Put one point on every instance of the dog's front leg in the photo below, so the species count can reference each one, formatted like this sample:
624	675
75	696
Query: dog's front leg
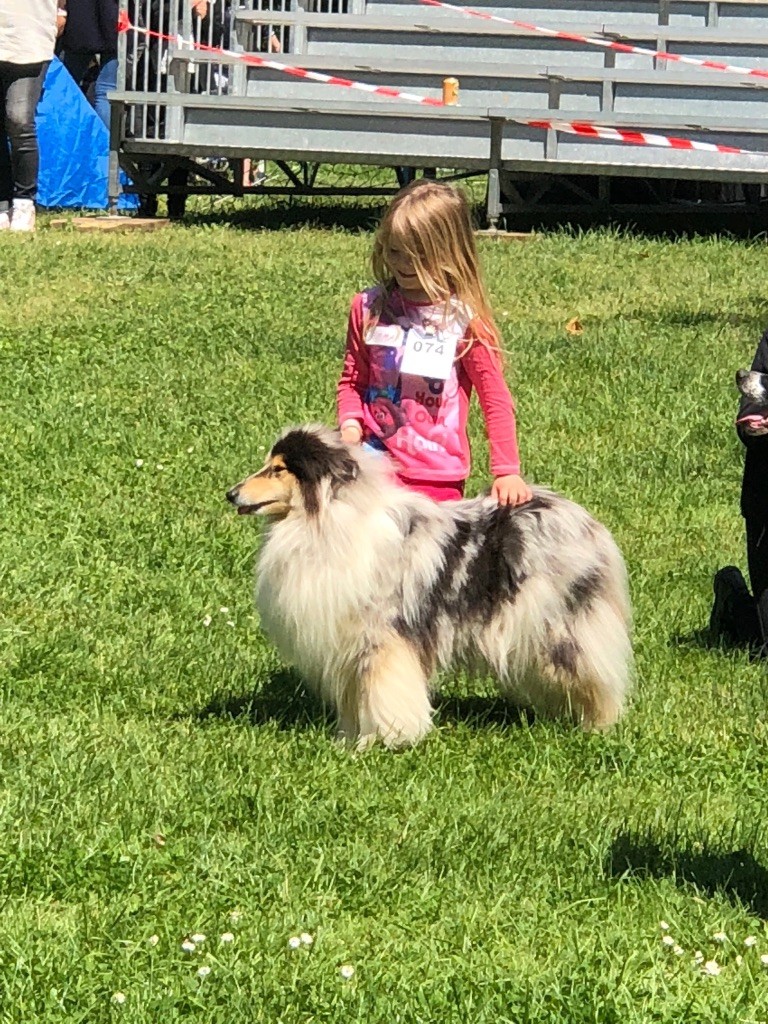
392	696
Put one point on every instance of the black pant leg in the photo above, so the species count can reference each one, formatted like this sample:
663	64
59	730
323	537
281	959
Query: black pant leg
757	559
22	88
6	175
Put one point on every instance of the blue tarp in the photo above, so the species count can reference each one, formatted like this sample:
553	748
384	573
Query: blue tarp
74	147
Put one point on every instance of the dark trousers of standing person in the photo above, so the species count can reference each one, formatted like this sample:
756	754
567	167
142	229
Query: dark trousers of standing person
757	561
20	88
78	63
741	617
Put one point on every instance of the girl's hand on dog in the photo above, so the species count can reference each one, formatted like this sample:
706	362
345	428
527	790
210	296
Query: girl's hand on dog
351	433
511	490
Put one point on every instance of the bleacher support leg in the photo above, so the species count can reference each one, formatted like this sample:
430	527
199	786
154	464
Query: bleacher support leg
494	185
113	189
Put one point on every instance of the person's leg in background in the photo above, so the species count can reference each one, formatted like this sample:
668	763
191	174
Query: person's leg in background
24	84
105	84
757	560
6	177
77	63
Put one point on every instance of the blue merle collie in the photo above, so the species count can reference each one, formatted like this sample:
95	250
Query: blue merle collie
369	589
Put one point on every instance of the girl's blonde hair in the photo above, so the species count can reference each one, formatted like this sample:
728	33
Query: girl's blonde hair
431	224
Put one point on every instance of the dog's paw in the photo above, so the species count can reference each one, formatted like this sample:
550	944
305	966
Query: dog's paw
364	743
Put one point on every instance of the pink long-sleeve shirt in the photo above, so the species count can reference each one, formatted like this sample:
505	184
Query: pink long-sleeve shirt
420	421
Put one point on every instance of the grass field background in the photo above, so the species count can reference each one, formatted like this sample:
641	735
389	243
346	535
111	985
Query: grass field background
159	774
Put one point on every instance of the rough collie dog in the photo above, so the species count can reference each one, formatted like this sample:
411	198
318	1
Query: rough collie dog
368	589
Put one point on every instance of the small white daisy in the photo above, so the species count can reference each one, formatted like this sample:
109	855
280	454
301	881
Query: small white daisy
764	959
188	946
230	622
668	940
347	971
664	926
190	450
698	957
750	941
160	466
294	942
138	464
739	960
306	939
719	937
711	967
678	950
207	621
204	971
118	997
198	937
227	937
153	940
223	610
234	916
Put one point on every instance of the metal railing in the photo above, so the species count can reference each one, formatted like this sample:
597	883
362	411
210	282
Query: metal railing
169	109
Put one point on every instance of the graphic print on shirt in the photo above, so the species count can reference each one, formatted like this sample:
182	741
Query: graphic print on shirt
412	413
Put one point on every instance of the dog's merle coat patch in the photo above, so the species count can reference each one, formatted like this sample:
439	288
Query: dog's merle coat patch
477	574
564	655
583	590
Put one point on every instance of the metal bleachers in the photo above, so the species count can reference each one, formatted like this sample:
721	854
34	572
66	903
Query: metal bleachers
195	104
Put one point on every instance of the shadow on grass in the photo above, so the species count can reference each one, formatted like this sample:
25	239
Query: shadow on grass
654	221
703	640
480	712
285	216
737	874
284	700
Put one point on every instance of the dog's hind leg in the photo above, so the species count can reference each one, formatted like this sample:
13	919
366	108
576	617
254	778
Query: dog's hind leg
589	669
392	696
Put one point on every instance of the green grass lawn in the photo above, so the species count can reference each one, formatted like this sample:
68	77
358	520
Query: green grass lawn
159	774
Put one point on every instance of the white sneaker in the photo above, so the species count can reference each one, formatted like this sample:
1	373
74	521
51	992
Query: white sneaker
23	215
5	220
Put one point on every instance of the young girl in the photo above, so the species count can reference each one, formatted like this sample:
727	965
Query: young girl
418	342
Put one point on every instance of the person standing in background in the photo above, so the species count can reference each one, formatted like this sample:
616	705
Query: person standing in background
90	37
28	31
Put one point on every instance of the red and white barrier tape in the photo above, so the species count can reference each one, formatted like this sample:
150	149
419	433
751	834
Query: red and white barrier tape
607	44
125	25
628	137
635	138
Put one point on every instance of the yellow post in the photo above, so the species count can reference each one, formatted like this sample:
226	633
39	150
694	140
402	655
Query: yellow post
451	91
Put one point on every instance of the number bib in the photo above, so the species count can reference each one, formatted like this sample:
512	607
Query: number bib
428	353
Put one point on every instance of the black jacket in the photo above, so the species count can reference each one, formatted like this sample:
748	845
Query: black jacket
754	486
91	27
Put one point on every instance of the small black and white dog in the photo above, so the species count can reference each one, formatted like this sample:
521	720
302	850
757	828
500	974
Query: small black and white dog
368	588
754	413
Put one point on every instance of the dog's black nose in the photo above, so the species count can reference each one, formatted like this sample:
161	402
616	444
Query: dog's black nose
232	494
